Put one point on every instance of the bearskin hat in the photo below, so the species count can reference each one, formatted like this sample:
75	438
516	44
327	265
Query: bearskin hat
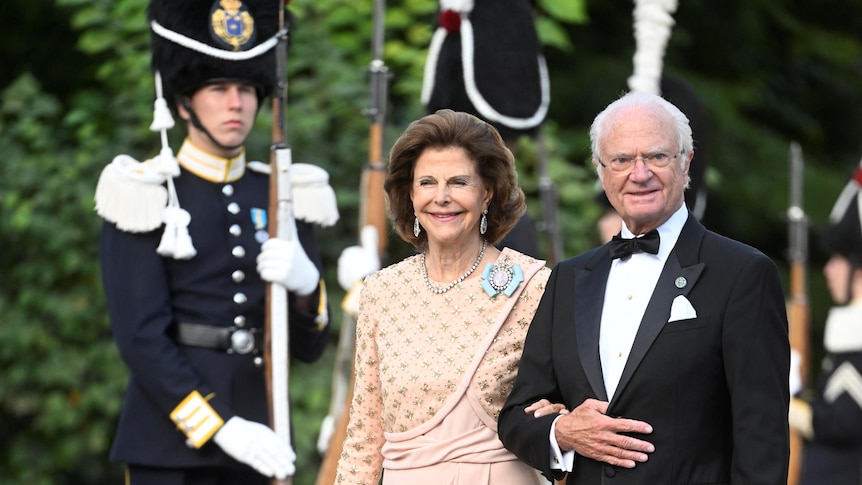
843	234
196	42
485	59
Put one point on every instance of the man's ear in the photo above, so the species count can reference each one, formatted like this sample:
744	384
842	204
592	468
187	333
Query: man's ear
181	109
688	159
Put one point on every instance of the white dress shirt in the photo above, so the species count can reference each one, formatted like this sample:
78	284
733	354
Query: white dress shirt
631	282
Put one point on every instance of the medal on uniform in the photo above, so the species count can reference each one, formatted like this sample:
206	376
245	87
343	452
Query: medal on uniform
258	217
501	277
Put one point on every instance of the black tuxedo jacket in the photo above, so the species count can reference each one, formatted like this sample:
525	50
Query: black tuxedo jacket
714	387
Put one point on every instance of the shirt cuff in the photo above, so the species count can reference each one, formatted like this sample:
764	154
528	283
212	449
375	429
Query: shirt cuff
560	460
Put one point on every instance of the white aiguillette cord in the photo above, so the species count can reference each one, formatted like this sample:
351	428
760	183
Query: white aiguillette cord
176	241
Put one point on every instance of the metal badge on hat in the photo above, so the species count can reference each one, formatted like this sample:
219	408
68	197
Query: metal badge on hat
231	24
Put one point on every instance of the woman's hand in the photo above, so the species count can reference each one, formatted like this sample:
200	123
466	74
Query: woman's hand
544	407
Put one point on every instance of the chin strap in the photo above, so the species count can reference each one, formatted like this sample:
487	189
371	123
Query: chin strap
196	122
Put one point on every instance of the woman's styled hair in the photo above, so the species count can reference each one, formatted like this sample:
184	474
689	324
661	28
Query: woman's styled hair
483	144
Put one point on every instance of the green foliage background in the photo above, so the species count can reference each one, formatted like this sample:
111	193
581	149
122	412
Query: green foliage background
76	90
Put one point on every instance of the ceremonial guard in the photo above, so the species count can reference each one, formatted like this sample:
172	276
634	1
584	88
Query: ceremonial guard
186	256
485	59
830	418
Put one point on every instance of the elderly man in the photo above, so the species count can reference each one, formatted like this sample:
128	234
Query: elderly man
668	344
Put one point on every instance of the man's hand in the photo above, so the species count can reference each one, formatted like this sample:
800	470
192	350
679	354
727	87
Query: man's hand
258	446
591	433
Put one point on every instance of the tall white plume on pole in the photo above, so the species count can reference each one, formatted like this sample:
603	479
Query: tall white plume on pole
653	21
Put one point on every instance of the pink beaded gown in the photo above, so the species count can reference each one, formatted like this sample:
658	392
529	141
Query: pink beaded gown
432	372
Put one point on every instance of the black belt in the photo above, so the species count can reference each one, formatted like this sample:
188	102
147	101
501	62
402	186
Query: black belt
229	339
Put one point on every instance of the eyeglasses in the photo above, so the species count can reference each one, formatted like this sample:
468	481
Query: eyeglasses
627	164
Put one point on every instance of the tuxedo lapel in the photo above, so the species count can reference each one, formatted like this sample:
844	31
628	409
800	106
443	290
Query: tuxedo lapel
675	280
589	299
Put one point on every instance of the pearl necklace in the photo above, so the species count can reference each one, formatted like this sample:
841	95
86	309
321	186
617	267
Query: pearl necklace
437	290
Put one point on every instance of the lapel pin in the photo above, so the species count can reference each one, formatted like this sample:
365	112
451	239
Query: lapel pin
680	282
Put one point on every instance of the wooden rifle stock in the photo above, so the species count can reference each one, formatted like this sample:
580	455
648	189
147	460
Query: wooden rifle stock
798	310
280	210
372	211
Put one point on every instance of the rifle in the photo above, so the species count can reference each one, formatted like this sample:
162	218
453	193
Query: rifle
548	199
798	312
280	203
372	211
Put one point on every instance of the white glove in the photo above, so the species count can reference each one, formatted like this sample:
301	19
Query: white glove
795	372
284	262
357	262
258	446
327	429
801	418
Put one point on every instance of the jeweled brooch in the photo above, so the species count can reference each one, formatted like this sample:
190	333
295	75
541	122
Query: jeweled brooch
501	277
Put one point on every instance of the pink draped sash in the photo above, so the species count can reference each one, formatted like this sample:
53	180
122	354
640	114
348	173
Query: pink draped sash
458	446
461	449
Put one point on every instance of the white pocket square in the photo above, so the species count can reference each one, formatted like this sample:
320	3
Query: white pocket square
681	309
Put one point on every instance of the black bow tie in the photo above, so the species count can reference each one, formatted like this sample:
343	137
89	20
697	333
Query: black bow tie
623	248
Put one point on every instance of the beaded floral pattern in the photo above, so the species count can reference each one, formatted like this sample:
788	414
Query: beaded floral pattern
413	349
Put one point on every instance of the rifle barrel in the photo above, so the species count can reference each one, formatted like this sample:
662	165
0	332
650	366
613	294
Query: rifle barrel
797	309
372	211
276	348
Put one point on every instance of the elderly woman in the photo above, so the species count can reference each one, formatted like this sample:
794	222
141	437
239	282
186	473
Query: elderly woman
440	334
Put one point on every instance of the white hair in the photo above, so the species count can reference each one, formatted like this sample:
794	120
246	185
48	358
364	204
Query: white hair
650	101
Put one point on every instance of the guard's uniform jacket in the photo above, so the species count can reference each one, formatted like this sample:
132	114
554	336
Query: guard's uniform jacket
149	295
834	456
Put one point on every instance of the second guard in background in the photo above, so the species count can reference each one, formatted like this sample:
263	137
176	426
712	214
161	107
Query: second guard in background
831	418
186	256
358	261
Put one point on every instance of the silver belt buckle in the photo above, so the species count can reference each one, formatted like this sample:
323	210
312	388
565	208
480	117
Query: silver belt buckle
241	341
